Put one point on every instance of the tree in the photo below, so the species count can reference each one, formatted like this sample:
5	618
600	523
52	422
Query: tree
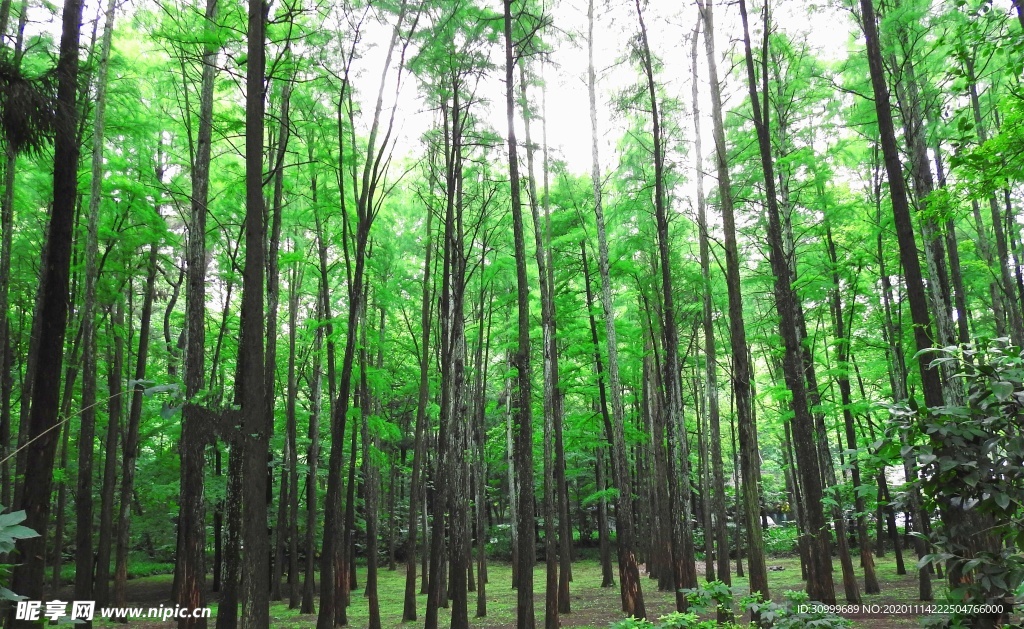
41	444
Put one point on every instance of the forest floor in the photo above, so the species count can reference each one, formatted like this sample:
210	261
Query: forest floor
592	606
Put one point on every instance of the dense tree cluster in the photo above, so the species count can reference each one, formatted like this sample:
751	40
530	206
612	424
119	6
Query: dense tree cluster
254	327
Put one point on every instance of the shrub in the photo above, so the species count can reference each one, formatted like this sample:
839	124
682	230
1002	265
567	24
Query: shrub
797	611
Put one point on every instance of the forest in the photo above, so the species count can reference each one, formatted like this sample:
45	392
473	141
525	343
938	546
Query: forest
507	314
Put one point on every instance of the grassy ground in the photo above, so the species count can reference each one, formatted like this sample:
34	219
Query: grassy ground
592	606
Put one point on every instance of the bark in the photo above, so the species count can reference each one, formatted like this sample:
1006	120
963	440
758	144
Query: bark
819	583
721	533
741	368
953	251
130	448
194	434
371	481
521	401
607	578
256	424
294	595
961	526
273	300
43	417
115	370
550	370
565	541
313	460
415	482
480	436
227	606
6	242
629	573
843	339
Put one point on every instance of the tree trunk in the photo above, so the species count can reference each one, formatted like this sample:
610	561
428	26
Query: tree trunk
313	460
415	481
843	338
607	578
294	595
717	502
115	371
273	300
130	450
819	583
741	367
550	369
680	546
521	401
194	434
256	425
43	417
961	526
629	573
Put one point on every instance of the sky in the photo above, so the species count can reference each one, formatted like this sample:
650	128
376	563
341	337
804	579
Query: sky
827	29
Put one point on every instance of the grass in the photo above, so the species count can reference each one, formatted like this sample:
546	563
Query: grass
592	606
139	565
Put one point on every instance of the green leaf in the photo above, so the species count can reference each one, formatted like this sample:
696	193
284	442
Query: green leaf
1002	390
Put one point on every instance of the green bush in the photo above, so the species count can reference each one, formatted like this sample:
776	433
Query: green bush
782	539
797	611
11	531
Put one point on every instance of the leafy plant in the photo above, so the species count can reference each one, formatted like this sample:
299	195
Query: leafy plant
632	623
972	462
11	531
796	611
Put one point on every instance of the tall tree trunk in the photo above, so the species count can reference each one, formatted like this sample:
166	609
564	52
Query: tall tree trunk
607	578
415	482
961	526
680	546
273	300
130	449
115	371
819	583
480	437
721	533
843	339
313	460
6	242
194	434
371	481
256	425
43	417
294	595
551	393
629	573
741	366
522	398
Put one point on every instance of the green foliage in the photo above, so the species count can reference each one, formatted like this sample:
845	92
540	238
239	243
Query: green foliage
782	539
674	620
713	596
972	463
796	611
11	531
